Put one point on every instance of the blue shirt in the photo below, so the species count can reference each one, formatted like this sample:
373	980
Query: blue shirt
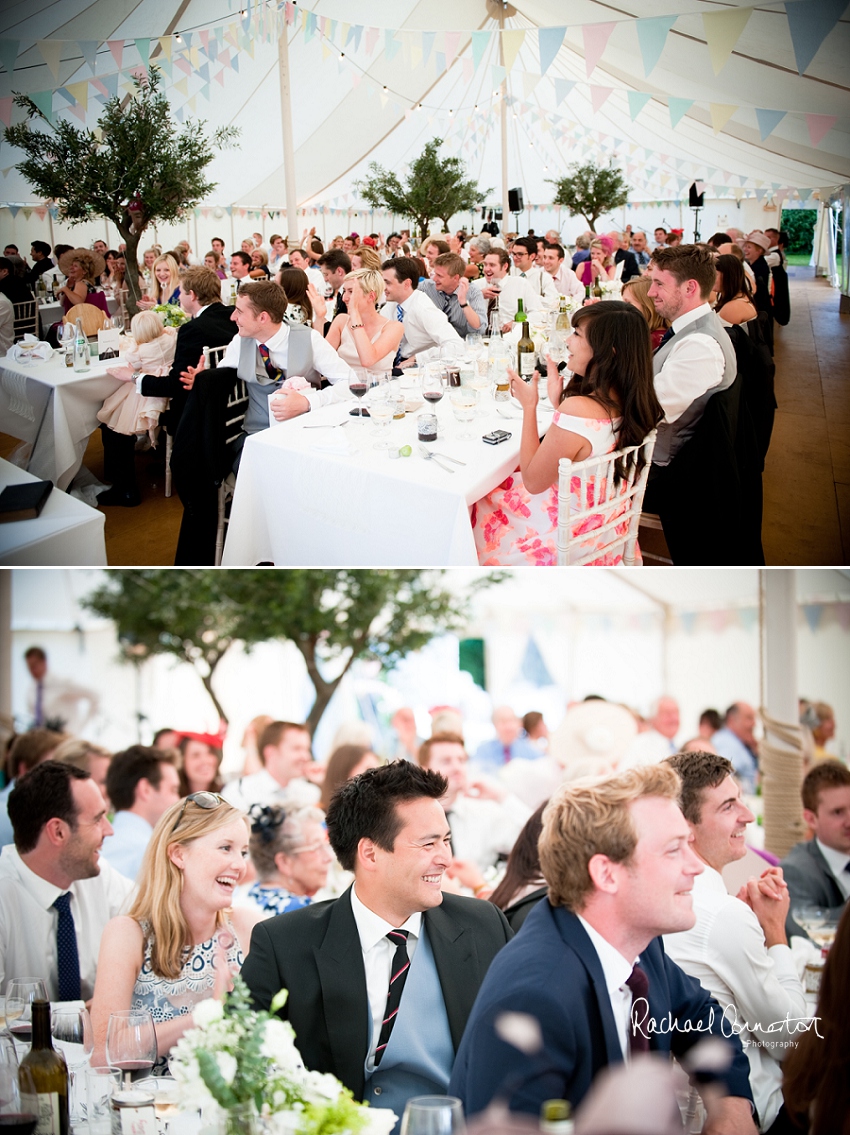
492	754
743	759
125	848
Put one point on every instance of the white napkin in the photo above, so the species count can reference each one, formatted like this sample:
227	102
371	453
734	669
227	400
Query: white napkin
39	350
333	440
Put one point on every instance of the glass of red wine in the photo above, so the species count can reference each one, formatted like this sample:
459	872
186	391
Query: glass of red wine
358	384
17	1098
433	382
131	1042
20	995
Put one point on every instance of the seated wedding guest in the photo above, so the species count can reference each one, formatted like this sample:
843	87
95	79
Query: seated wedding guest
304	304
41	261
334	266
449	289
582	252
217	245
431	249
27	750
365	257
640	251
457	245
126	413
660	236
535	729
267	349
284	747
387	826
715	242
259	265
427	330
636	292
522	886
166	738
816	870
737	742
674	238
247	246
7	324
299	259
146	268
181	941
734	302
600	265
485	819
108	278
81	268
588	963
200	763
477	248
15	289
165	283
565	280
609	405
524	254
621	243
87	756
279	257
657	739
250	738
737	949
142	784
240	266
291	857
56	892
345	762
816	1071
213	260
502	291
508	744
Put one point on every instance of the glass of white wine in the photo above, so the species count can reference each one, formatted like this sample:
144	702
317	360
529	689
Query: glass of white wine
21	993
433	1115
464	401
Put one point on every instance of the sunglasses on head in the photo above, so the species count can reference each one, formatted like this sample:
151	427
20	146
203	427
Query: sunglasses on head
206	800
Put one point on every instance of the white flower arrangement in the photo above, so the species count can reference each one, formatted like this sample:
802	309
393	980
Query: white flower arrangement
611	289
236	1056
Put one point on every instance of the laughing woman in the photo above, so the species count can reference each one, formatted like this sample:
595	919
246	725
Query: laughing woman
181	942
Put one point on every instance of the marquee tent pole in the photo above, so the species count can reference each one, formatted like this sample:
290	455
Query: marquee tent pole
286	132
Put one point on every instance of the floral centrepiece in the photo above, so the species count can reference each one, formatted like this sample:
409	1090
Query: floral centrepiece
236	1055
171	314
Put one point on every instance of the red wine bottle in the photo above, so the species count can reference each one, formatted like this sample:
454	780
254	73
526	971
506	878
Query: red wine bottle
49	1075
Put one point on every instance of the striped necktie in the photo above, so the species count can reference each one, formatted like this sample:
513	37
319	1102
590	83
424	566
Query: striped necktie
399	314
66	950
271	369
398	972
665	338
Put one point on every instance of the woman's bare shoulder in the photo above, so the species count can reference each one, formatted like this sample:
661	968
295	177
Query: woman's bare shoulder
582	406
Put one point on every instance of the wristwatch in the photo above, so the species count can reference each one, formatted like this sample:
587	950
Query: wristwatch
137	374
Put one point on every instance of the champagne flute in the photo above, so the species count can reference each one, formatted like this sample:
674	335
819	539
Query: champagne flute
73	1036
17	1099
20	995
131	1042
433	1115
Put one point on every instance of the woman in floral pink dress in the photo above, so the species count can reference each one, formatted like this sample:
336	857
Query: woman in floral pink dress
609	404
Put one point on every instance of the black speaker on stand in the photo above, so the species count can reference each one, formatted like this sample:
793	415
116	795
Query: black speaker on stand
696	201
515	204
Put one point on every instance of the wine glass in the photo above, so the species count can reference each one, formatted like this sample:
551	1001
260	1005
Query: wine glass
20	995
433	1115
464	400
17	1096
131	1042
433	382
358	384
71	1028
382	409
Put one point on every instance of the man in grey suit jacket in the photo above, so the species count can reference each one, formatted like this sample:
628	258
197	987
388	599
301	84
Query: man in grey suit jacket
341	960
817	871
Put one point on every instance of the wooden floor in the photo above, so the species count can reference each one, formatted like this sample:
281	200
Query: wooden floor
807	477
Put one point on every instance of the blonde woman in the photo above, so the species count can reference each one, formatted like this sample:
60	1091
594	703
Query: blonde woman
636	292
165	283
364	339
365	257
601	264
259	265
181	941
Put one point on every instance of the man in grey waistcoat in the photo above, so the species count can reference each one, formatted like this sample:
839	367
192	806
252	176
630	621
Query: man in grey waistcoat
366	971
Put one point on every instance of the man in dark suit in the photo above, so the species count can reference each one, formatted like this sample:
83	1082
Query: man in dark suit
210	326
588	963
817	870
346	962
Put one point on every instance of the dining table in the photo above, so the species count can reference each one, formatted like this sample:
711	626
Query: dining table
54	409
67	533
52	311
313	491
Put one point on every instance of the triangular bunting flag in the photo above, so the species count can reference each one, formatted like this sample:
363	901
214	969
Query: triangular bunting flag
8	54
371	39
720	113
468	69
819	126
652	35
111	84
497	75
79	92
182	87
166	45
512	41
440	62
391	45
637	101
549	42
809	25
599	96
678	109
596	38
480	42
44	101
452	44
768	120
6	110
529	82
116	46
722	32
143	46
51	53
427	45
562	89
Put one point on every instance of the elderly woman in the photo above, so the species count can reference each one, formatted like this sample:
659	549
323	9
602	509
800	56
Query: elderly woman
362	337
81	267
291	856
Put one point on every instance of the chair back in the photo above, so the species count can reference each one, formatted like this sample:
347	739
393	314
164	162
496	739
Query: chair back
618	505
26	319
213	356
92	317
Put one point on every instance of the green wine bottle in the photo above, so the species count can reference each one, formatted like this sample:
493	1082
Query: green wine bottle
49	1074
525	346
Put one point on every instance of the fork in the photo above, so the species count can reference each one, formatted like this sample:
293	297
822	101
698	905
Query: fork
426	453
328	425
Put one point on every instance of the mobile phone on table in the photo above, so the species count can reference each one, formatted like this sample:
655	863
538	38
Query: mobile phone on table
496	437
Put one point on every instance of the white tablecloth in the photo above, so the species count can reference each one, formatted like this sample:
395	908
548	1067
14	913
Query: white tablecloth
55	410
68	533
298	506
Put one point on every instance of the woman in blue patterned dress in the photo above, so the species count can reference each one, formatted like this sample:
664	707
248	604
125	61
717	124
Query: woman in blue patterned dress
181	942
291	855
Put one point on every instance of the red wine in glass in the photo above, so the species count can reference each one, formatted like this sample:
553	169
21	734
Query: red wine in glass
132	1065
433	395
358	389
18	1123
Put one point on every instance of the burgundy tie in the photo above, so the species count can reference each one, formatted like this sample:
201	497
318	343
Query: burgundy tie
638	982
398	976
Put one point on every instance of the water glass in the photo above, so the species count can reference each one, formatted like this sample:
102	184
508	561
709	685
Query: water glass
433	1115
464	402
71	1028
101	1083
382	409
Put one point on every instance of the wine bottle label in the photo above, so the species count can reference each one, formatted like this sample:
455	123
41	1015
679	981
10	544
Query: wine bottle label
526	364
47	1110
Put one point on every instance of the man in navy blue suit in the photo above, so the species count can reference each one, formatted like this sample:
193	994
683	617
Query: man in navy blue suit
588	963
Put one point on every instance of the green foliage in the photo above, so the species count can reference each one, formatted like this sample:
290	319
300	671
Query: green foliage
800	226
136	155
333	1119
220	1090
591	190
333	615
435	187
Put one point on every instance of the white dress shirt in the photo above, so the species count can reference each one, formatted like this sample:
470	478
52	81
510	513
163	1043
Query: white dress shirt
7	324
28	921
60	698
567	282
378	953
541	283
837	862
482	830
125	849
756	987
426	329
617	972
325	360
693	365
262	788
649	748
513	288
